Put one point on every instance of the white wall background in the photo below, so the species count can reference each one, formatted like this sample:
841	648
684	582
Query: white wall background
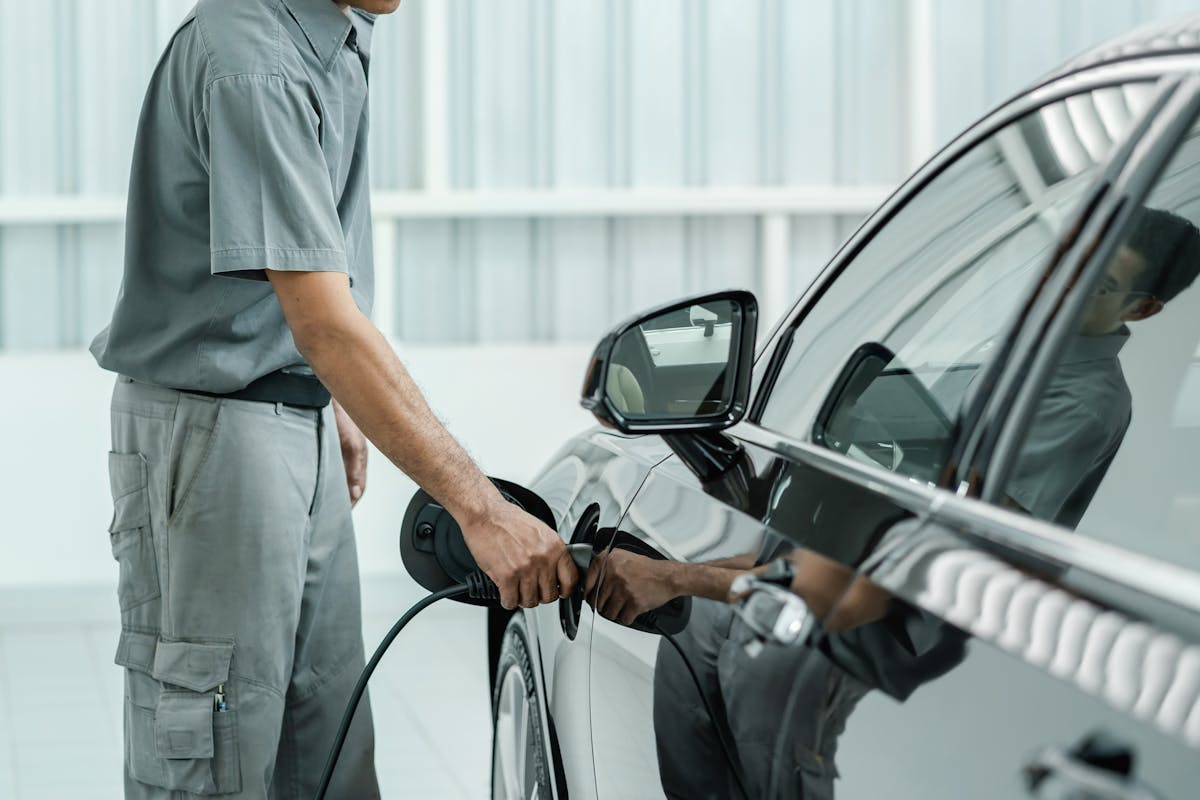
542	168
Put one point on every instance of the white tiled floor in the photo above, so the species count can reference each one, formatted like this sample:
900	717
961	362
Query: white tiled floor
60	695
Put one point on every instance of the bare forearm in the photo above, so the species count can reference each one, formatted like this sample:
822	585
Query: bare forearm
836	595
360	369
742	562
521	553
700	580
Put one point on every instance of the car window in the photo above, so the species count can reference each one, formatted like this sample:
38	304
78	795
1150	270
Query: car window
1110	447
880	367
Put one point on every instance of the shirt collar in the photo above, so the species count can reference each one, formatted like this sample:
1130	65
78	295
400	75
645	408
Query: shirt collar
324	24
1096	348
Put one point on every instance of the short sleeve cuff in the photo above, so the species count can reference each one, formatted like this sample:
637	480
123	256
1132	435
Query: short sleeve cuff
250	262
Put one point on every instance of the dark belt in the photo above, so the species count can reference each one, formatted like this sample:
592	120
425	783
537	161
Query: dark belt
289	388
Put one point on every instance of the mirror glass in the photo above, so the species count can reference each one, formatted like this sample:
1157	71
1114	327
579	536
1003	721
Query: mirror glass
880	412
676	365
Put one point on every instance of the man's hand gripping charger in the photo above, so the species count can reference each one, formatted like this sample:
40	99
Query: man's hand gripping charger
436	556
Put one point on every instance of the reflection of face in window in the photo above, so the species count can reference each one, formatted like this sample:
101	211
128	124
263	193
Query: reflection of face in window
1115	301
1159	260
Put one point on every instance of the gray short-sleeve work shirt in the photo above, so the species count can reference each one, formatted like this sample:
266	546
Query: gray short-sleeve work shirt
251	154
1075	432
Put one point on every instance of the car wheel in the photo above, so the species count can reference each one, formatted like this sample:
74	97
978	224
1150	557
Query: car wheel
520	767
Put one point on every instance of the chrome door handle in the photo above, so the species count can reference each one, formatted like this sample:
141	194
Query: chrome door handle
1099	768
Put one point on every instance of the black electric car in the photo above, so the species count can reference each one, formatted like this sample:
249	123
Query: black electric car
938	535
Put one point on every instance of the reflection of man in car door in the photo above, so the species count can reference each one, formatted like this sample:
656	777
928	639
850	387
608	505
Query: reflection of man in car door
1085	409
870	642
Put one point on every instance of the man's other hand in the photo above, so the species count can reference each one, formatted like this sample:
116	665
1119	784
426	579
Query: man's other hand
527	560
354	453
633	584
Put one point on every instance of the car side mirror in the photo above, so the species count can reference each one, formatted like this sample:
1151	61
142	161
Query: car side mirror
680	367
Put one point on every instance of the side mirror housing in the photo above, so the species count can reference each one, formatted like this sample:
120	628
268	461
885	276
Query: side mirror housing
684	366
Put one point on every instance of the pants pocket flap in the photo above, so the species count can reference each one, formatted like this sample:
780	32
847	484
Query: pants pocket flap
128	480
198	666
136	651
183	726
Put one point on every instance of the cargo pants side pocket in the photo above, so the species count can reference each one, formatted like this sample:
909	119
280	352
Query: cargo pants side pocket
180	734
133	542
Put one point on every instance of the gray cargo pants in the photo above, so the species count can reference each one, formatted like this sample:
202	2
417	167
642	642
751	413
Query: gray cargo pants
241	631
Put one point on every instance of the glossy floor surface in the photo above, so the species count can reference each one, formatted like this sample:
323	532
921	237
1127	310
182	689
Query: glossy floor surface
60	695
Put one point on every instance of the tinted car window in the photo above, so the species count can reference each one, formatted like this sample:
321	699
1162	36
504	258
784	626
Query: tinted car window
1111	445
880	367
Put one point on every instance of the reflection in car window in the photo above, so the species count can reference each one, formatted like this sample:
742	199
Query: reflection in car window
1111	445
936	288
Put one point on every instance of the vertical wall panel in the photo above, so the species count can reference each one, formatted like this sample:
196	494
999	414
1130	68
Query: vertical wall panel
504	103
814	241
1019	50
540	93
101	248
1083	27
33	133
808	120
504	280
1163	9
961	39
436	279
31	290
109	83
396	97
871	87
581	307
722	254
460	55
656	265
581	86
656	90
108	87
732	121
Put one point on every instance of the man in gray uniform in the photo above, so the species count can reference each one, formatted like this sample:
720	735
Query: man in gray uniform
1085	409
248	278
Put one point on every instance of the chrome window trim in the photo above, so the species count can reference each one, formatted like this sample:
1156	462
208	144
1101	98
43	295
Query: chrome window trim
975	519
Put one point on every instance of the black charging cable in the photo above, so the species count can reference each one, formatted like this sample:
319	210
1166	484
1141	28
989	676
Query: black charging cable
360	687
476	585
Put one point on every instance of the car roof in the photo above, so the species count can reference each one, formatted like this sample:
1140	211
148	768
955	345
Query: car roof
1178	35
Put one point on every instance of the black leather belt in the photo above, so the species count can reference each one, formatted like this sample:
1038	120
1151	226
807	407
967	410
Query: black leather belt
289	388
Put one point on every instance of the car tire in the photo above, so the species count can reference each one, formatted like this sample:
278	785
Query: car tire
520	758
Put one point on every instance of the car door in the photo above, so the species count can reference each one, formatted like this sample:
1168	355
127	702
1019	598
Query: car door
868	396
